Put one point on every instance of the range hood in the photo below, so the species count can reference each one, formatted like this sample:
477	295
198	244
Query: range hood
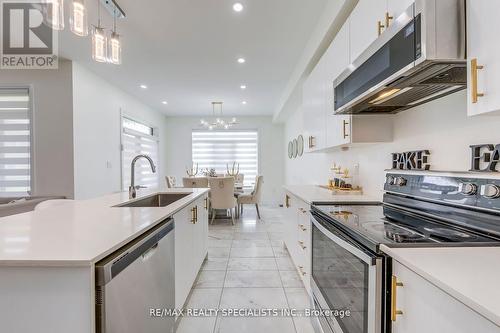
421	57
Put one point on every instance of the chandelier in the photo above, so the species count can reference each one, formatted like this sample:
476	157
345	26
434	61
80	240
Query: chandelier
217	122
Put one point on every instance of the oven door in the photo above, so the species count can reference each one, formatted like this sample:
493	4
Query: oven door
347	277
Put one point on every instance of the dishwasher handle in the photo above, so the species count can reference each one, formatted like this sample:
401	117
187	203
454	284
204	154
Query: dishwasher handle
144	246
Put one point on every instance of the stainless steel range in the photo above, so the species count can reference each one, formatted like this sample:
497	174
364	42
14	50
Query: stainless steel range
351	274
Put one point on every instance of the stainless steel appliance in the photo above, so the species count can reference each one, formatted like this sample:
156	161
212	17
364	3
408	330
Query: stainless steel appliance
134	280
349	272
420	57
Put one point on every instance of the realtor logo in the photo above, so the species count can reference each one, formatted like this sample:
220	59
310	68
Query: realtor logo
28	40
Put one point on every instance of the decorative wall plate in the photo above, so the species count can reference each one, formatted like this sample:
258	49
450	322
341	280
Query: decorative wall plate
290	149
294	148
300	145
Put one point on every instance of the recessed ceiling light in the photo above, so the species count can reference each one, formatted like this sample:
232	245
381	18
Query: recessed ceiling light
243	86
241	60
164	102
244	102
237	7
143	86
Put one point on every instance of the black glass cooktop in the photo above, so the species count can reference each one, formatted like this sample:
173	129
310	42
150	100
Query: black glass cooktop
382	224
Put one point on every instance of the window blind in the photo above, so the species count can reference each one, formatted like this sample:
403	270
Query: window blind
138	138
15	143
217	149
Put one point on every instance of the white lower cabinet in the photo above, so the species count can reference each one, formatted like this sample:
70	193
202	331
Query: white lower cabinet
298	236
426	308
191	246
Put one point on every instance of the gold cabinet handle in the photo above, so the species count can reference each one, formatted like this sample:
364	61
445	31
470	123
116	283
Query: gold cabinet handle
388	19
380	27
206	203
394	285
301	244
344	126
303	227
196	214
287	201
312	144
474	67
193	215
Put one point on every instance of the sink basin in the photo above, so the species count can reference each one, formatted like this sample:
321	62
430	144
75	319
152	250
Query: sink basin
156	200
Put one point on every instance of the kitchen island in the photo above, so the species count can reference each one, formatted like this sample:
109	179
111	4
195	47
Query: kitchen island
47	257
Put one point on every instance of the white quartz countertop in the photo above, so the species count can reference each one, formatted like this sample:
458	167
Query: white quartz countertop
469	274
81	232
315	193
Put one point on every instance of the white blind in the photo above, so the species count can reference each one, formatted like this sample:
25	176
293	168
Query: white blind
216	149
138	138
15	143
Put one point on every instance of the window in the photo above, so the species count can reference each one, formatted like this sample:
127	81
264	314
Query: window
138	138
15	142
217	149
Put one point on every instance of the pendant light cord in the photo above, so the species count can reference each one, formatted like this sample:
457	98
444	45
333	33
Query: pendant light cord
98	14
114	20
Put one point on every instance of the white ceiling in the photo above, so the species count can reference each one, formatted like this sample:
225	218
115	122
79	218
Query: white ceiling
185	51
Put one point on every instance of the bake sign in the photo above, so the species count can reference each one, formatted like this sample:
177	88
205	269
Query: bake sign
485	157
411	160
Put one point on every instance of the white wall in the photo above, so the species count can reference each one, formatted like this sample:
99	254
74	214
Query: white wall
441	126
53	126
270	150
97	106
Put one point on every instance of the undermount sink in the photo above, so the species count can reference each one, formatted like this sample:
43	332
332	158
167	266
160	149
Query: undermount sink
156	200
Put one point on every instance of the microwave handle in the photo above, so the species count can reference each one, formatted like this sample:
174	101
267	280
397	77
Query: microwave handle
369	258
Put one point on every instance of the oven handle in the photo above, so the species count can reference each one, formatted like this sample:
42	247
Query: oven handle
369	259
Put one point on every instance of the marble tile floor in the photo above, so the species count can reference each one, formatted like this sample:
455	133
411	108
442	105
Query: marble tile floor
248	267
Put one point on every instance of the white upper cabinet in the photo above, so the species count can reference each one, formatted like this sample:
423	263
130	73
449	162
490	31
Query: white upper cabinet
336	59
369	19
483	49
314	109
364	21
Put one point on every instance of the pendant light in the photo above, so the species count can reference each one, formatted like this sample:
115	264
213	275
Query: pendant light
115	48
78	18
218	122
55	16
99	40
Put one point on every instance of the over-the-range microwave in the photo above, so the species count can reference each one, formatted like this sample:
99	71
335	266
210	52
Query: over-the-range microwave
420	57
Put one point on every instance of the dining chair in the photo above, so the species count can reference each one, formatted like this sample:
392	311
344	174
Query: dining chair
222	195
252	198
240	178
195	182
170	181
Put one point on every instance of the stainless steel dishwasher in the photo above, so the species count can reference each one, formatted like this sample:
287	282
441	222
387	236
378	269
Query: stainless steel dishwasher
135	279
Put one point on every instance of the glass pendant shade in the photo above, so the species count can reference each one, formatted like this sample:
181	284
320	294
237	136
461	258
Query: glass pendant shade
99	45
78	18
115	49
55	13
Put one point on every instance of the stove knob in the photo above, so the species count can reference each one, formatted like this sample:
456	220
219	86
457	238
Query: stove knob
467	188
490	191
390	180
400	181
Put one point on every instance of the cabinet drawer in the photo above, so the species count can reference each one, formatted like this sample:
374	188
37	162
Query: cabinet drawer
423	307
